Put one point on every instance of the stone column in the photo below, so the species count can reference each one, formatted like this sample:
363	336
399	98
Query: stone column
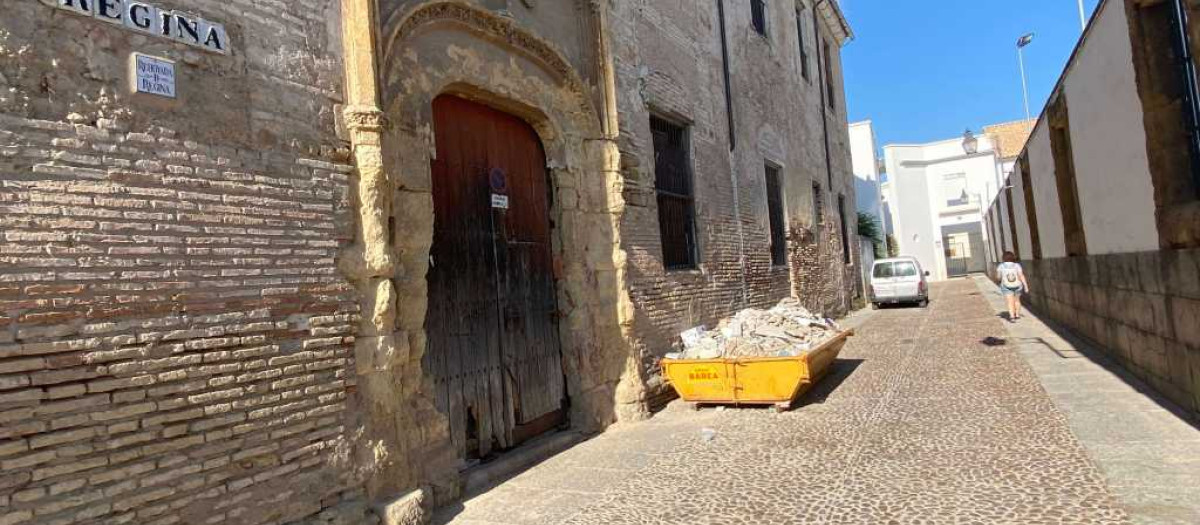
381	352
369	262
630	392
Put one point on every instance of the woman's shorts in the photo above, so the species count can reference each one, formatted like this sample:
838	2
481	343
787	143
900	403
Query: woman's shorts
1011	291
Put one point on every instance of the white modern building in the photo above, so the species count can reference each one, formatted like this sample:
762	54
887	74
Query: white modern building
938	194
864	154
868	193
887	197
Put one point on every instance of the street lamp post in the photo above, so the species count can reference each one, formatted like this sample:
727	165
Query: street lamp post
1021	43
1082	17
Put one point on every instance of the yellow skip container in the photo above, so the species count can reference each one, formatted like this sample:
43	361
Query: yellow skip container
777	381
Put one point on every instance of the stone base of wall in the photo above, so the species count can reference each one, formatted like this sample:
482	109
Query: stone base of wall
1142	308
350	509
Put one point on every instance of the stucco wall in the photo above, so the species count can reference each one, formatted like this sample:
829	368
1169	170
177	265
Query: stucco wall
1006	237
995	239
916	227
1108	140
889	218
866	169
1045	194
1024	238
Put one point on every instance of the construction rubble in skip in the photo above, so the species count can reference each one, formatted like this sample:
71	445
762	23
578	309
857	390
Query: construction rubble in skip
785	330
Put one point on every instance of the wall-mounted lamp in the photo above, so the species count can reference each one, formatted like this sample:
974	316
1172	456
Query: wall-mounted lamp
970	143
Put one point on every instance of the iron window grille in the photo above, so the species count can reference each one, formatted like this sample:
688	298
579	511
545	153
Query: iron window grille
776	218
845	230
803	48
676	196
817	211
831	98
758	16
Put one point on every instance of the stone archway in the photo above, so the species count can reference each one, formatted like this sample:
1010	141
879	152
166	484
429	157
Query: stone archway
447	47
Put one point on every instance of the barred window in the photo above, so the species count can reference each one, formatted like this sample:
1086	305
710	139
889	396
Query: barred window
845	231
832	98
803	48
758	16
817	212
776	217
676	198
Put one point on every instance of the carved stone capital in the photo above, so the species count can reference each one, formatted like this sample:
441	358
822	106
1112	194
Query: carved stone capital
364	118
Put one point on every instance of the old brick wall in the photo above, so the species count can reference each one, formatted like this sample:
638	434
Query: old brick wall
820	274
668	60
678	47
821	278
1142	308
839	288
175	337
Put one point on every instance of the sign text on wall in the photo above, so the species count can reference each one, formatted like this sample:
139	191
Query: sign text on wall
153	75
146	18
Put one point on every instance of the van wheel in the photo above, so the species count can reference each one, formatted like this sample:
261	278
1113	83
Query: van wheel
874	306
924	303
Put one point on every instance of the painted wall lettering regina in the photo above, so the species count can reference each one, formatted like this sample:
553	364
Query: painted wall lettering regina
146	18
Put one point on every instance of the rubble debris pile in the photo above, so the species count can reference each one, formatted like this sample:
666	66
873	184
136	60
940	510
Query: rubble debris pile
786	330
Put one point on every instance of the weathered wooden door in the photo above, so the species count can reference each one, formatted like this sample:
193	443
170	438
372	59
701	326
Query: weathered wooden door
494	350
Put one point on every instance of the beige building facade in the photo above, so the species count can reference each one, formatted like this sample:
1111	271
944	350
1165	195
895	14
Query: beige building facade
271	263
1103	207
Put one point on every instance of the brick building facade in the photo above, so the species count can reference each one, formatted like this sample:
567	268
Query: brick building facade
214	306
751	90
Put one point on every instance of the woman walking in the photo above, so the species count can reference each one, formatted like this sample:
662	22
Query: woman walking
1012	284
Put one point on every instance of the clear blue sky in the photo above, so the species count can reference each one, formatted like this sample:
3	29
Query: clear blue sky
925	70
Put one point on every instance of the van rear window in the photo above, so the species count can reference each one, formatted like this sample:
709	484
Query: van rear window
905	269
883	270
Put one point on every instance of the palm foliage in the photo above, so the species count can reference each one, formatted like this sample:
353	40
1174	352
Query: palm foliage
869	227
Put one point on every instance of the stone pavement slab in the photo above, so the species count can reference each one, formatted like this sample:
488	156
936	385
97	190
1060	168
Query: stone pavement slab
1147	448
920	422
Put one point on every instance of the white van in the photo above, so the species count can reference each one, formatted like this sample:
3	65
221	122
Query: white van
899	280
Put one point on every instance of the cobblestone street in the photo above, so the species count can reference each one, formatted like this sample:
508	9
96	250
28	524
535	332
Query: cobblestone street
921	423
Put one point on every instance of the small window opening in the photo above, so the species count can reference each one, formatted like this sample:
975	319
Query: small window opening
676	197
758	16
776	217
803	48
817	211
846	256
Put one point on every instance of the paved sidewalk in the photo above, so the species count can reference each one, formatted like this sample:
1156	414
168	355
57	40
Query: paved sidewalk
1148	451
920	423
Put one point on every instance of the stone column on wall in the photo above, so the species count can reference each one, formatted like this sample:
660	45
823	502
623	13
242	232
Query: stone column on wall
631	390
390	470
